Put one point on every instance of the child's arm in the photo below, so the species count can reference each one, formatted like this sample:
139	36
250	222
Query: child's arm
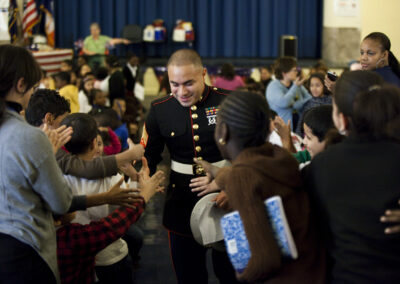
92	238
284	132
114	196
100	167
115	145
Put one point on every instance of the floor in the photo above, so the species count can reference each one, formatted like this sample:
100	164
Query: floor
155	266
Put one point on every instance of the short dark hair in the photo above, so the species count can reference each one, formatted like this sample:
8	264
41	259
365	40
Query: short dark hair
63	76
92	95
228	71
112	61
16	63
45	101
85	131
102	73
247	116
283	65
130	54
319	120
185	57
106	118
268	68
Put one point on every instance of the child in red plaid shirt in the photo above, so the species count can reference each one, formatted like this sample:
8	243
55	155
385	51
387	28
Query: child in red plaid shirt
77	245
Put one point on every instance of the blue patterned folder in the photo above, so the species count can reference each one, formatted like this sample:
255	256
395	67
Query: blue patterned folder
236	242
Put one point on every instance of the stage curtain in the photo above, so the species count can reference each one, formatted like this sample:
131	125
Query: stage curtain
223	28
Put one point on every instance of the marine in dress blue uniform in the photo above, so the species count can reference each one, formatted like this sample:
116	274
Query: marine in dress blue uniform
186	126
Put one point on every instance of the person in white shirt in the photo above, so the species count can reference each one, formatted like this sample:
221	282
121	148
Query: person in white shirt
84	144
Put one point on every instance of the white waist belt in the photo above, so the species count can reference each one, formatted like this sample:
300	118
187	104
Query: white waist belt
187	169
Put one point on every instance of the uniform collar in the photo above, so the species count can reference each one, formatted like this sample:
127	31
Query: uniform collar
205	94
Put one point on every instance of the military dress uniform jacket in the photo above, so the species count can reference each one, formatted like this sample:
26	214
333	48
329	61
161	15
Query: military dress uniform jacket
188	132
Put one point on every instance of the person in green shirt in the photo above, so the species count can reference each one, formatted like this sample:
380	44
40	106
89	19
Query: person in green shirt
96	44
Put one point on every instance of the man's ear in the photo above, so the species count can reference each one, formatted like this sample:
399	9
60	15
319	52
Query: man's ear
48	119
21	86
204	73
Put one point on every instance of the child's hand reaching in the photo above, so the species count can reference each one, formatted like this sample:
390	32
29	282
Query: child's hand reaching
284	133
144	173
58	137
130	171
152	185
136	150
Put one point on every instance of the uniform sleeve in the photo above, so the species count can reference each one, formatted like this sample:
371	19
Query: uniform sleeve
244	195
100	167
155	141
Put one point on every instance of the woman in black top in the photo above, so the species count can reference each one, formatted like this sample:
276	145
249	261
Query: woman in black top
352	183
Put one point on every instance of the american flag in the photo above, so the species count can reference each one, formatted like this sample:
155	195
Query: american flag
30	17
12	21
48	8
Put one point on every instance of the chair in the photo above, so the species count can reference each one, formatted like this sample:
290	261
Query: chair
133	32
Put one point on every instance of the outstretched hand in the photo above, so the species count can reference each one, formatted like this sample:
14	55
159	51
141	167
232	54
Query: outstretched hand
58	137
144	173
121	196
152	185
284	131
137	150
282	128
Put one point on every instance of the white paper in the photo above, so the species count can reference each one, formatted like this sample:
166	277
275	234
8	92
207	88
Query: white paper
138	90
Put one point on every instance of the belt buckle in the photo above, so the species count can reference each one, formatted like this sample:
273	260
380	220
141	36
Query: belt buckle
198	170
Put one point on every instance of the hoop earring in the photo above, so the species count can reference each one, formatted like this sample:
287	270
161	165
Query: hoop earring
221	141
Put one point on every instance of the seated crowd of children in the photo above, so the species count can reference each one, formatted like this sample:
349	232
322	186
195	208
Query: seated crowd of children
68	181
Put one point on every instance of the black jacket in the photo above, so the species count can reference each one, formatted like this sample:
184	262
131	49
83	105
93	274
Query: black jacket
188	132
351	184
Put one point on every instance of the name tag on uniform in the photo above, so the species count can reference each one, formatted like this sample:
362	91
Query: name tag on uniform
211	113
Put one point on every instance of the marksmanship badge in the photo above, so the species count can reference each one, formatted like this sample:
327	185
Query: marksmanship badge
211	113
